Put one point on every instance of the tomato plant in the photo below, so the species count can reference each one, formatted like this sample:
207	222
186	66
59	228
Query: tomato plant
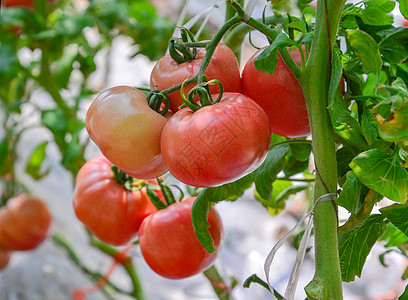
169	244
106	207
279	94
127	131
222	66
4	258
218	143
24	223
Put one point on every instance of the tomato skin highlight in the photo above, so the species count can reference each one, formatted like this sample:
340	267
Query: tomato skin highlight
280	95
127	131
169	244
109	210
24	223
216	144
223	66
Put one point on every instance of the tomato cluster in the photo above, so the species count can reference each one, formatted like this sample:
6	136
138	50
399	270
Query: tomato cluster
116	212
221	135
24	224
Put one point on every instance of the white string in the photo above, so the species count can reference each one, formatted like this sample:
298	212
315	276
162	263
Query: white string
294	276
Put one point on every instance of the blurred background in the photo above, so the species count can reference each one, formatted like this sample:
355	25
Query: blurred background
55	57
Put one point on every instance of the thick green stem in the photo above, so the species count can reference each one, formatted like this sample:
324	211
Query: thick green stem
315	80
217	282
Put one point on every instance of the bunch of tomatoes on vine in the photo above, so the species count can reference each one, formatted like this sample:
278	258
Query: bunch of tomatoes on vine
213	127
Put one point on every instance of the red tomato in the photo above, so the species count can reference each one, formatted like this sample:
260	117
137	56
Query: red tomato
280	95
127	131
216	144
405	23
169	244
24	223
4	258
223	66
109	210
19	3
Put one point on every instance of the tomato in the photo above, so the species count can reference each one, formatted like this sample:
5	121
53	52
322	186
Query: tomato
223	66
280	95
216	144
19	3
169	244
127	131
4	258
107	208
405	23
24	223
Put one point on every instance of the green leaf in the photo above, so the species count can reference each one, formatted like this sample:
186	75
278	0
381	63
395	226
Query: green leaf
368	127
394	44
349	197
355	245
375	16
55	120
383	173
203	204
343	156
393	128
267	60
277	188
9	65
345	125
301	151
367	50
64	67
403	6
266	174
4	149
398	215
393	236
33	167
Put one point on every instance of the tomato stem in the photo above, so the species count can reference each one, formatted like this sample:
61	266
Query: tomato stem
315	81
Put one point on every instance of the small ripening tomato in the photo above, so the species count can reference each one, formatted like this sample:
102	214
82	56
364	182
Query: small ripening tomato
218	143
280	95
405	23
24	223
107	208
4	258
169	244
127	131
223	66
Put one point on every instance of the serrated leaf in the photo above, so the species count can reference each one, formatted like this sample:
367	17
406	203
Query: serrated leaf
375	16
383	173
355	245
394	44
266	174
349	197
207	198
398	215
33	167
267	60
367	50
